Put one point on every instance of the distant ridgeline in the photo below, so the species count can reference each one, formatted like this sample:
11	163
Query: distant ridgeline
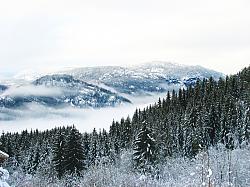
182	124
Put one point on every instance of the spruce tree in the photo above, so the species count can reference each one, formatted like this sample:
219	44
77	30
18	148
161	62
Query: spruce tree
126	133
86	148
213	126
93	153
74	153
59	148
144	155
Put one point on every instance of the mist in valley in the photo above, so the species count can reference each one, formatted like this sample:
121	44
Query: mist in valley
34	116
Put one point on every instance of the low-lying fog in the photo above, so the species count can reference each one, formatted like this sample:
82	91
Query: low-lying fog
39	117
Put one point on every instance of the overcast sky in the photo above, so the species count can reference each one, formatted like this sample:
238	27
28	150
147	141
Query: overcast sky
43	34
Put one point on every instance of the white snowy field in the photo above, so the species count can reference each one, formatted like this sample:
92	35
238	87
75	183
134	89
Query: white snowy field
39	117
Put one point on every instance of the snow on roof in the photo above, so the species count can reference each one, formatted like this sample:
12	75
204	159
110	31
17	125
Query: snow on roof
3	155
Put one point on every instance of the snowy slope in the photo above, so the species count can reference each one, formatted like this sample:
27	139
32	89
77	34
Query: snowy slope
97	87
3	88
60	90
150	77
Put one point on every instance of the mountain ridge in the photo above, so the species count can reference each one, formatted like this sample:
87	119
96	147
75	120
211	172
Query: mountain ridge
103	86
75	92
144	77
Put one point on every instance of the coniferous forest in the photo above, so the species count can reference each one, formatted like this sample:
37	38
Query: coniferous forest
192	137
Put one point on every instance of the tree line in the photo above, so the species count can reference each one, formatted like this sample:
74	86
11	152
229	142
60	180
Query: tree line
182	124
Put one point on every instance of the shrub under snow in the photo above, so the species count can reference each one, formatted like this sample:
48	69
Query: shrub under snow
218	166
4	175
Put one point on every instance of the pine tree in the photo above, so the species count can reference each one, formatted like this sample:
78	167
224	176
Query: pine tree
37	158
191	133
126	133
246	127
213	125
74	153
59	148
86	148
144	150
93	153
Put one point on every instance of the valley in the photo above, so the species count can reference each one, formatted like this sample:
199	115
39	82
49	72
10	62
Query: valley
77	96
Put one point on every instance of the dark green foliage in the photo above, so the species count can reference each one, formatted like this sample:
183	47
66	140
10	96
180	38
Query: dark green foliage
86	147
59	148
186	121
93	154
144	155
74	153
126	133
69	155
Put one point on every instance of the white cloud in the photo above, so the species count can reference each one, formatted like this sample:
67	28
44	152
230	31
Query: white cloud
43	34
41	117
30	90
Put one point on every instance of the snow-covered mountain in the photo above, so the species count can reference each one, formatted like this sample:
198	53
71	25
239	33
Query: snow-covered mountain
101	86
3	87
28	75
60	90
144	78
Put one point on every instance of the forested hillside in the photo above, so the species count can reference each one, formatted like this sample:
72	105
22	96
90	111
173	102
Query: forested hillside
194	136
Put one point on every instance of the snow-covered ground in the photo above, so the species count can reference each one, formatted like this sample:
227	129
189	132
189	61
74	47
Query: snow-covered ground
217	167
4	175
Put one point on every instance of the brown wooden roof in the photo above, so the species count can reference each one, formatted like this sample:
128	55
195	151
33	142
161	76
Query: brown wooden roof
3	156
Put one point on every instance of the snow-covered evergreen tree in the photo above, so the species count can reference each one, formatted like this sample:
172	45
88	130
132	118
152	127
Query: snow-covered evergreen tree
59	149
74	153
4	175
144	155
93	153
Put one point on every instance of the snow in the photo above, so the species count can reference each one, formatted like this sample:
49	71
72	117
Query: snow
4	175
115	75
42	118
27	75
209	173
142	178
192	174
3	184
